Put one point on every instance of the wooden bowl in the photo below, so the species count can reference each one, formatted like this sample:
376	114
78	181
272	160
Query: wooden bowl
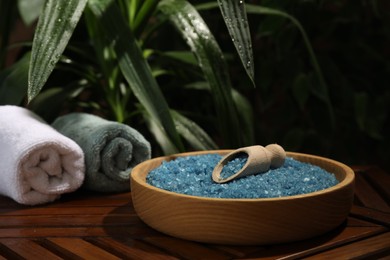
244	221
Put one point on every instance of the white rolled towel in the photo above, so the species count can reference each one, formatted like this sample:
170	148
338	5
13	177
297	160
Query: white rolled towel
37	163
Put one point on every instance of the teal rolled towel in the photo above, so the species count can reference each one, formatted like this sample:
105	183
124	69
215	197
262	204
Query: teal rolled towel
111	149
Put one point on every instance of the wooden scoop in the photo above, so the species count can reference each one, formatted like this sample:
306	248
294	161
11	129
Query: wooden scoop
260	159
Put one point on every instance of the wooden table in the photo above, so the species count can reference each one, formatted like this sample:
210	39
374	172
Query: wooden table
95	226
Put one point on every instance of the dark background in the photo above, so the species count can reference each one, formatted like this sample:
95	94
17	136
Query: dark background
351	42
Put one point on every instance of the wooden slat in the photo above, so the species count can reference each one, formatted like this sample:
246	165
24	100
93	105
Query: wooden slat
356	222
41	232
78	198
28	249
323	243
238	251
365	249
380	180
82	248
6	253
66	210
369	196
131	249
371	215
185	249
67	220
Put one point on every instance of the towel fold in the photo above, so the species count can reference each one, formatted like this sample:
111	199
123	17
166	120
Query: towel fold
111	149
37	164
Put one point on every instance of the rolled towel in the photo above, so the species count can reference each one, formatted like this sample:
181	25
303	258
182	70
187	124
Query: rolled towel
111	149
37	164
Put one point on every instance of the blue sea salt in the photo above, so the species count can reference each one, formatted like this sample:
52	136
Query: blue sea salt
233	166
191	175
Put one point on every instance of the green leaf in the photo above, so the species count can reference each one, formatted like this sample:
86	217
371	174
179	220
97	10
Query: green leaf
134	67
210	58
322	88
206	6
55	27
144	13
54	99
192	132
107	60
187	128
159	134
246	116
234	14
183	56
13	82
198	85
242	104
29	10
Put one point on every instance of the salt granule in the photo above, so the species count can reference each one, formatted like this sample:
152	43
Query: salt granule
191	175
234	165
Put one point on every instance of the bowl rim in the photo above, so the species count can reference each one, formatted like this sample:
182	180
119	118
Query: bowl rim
348	180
